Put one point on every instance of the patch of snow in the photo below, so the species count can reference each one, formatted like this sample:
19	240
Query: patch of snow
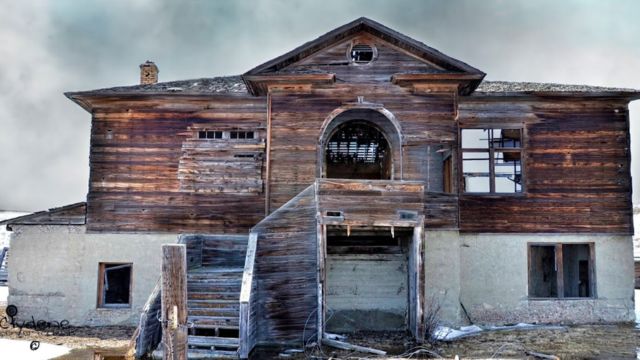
444	333
4	293
21	349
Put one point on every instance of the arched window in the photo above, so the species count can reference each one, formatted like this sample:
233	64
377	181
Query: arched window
358	150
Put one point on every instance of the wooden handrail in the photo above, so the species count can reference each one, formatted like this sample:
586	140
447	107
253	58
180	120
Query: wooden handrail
248	283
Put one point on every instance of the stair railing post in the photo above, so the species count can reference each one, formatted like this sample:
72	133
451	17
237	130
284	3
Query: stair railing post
174	301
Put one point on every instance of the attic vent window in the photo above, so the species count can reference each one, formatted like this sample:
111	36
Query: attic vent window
361	54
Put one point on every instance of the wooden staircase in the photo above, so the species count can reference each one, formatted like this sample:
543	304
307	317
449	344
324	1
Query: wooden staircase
213	293
216	264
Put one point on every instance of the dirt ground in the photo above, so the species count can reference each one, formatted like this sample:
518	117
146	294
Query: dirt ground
620	341
105	337
571	342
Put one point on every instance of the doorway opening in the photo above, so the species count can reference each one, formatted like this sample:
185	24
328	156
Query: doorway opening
367	280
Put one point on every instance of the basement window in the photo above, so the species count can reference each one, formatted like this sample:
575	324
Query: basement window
561	271
492	160
114	285
361	53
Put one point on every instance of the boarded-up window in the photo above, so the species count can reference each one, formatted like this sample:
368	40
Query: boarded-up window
114	285
492	160
232	163
561	271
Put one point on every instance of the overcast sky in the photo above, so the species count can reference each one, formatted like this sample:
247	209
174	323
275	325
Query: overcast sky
47	48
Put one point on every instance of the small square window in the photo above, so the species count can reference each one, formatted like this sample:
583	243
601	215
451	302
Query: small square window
233	135
202	134
217	134
114	285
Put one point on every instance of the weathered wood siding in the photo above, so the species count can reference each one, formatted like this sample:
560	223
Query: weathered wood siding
297	119
286	270
336	59
150	172
370	202
576	167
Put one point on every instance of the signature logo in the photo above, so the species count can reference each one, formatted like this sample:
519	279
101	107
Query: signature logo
54	327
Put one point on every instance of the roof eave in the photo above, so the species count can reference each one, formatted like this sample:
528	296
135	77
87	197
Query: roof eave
629	96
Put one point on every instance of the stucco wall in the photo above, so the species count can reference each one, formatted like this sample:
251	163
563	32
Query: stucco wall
488	275
494	280
54	272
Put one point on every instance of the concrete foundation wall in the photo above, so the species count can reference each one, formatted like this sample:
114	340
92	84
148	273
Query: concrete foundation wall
367	292
494	280
54	272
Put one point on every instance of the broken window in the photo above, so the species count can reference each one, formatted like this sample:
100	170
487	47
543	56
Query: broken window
361	53
358	150
492	160
561	271
114	285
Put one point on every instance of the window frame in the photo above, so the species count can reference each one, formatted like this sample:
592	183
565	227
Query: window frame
491	154
560	272
225	135
101	296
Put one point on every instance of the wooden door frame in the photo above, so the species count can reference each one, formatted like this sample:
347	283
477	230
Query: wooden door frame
416	274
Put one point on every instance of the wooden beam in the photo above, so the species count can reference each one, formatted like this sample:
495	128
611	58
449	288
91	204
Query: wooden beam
559	271
418	248
174	301
246	340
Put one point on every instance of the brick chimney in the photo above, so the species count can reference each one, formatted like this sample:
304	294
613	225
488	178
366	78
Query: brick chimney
148	73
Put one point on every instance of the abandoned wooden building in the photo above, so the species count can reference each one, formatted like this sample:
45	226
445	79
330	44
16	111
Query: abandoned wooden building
346	185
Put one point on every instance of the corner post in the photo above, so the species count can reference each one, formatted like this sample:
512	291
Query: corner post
174	301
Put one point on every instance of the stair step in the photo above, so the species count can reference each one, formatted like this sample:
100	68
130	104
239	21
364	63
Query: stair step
216	270
212	322
201	354
212	341
213	304
208	295
213	288
213	312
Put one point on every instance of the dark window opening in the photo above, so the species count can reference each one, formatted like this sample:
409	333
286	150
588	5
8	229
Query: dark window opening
241	135
207	134
492	160
358	150
561	271
114	285
361	53
364	244
334	213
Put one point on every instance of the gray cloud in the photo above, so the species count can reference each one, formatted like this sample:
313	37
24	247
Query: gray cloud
47	48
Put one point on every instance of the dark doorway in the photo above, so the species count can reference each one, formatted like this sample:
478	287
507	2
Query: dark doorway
358	150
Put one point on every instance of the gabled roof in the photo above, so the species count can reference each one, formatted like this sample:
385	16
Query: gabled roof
374	28
74	214
466	75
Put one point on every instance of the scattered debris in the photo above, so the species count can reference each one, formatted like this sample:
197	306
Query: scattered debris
346	346
444	333
541	355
